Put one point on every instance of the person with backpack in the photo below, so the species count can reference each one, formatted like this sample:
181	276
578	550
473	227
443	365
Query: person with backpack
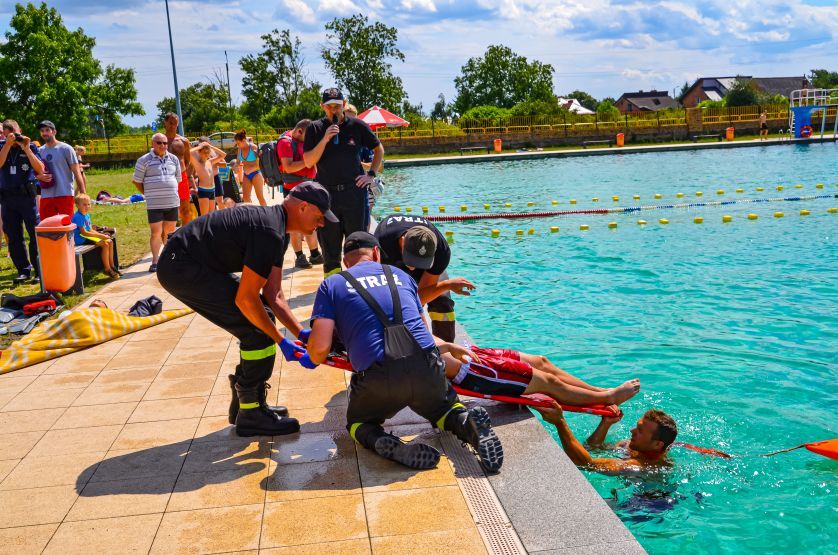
293	170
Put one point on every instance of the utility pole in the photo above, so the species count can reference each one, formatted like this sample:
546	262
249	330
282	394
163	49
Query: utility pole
229	95
174	72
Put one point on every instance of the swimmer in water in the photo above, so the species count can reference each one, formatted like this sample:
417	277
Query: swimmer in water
647	448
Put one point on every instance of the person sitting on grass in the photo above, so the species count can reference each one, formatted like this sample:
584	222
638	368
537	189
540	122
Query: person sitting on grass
645	451
86	235
513	373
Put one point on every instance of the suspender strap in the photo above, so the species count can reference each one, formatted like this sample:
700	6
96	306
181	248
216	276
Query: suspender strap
376	308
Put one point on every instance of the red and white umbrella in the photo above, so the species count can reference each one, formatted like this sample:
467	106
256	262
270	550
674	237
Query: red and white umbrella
377	118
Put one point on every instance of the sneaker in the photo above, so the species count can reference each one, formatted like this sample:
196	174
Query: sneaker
316	259
152	268
473	427
21	278
419	456
302	263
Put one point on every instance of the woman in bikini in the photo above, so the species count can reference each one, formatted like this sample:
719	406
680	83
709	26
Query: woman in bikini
248	157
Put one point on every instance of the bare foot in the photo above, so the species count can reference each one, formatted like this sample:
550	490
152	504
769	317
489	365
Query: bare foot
623	393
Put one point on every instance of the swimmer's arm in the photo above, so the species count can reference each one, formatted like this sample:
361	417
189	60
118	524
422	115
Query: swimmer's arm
320	341
250	303
597	438
276	300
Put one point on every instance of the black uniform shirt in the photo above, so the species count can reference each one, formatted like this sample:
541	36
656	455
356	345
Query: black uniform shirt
393	227
340	163
228	240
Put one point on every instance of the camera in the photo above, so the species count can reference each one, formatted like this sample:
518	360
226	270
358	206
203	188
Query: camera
18	138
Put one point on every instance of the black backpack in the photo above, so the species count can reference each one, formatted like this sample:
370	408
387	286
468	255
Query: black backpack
269	164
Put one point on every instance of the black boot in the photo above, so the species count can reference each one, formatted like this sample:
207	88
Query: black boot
234	402
253	419
474	428
413	455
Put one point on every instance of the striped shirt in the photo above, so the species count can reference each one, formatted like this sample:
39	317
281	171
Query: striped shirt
160	177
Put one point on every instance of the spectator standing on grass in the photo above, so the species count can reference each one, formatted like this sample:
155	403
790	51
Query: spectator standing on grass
157	175
289	150
80	152
64	171
19	165
333	144
186	186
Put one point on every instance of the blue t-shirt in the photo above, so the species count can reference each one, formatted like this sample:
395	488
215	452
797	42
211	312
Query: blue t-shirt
356	323
17	171
82	221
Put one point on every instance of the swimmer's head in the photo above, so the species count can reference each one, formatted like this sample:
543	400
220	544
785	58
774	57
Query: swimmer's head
654	433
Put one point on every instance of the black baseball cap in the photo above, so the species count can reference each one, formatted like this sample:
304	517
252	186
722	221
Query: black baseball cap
316	194
332	96
47	123
419	247
359	240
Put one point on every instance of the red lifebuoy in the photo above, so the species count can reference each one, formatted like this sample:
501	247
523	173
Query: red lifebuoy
806	131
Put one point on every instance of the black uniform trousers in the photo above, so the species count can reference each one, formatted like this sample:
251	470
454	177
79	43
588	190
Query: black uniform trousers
19	211
213	295
350	205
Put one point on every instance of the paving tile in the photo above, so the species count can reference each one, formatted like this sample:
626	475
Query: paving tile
348	547
127	375
380	474
36	400
26	539
25	507
314	447
173	329
231	454
214	428
88	360
76	380
127	534
6	467
221	387
172	389
29	420
168	409
416	511
142	463
290	482
154	434
123	498
243	486
320	520
112	393
333	396
184	371
218	405
200	352
17	446
209	530
321	419
12	383
34	370
297	377
5	398
466	540
95	415
77	440
54	469
142	353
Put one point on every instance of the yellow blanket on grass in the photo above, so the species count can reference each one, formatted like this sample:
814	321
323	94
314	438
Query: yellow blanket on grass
77	330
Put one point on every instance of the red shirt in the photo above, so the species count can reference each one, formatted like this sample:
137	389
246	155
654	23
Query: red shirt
183	187
284	150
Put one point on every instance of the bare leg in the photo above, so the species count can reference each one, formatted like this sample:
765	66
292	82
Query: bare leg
168	229
106	258
219	203
573	395
206	205
247	187
543	363
185	211
259	186
156	240
296	241
311	241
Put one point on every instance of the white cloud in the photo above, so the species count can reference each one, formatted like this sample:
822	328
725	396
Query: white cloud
300	10
426	5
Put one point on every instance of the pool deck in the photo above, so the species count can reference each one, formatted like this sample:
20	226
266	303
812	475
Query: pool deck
598	151
125	447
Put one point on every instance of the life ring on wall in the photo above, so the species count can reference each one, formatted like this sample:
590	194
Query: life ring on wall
806	131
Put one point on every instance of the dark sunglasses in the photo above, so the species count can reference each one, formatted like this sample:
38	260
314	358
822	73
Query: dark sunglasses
161	142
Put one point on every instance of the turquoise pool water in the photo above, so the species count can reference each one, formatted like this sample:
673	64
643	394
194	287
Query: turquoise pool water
732	327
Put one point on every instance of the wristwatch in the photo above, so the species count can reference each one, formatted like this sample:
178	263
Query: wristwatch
371	173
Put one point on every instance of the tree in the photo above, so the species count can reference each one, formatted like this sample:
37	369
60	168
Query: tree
411	112
307	106
502	78
743	92
824	79
49	72
357	54
484	112
606	111
203	105
537	108
585	99
442	109
683	92
275	76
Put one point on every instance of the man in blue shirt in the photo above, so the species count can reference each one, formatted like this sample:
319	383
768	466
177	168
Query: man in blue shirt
19	164
376	313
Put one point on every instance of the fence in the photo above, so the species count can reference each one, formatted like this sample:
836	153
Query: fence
565	125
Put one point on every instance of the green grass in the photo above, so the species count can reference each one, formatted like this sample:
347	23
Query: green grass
132	237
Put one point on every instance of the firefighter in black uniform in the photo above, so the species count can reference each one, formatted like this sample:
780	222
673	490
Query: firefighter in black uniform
197	266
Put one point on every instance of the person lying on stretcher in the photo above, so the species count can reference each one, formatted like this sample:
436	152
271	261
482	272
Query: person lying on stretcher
513	373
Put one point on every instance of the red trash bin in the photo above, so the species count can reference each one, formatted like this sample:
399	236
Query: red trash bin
56	252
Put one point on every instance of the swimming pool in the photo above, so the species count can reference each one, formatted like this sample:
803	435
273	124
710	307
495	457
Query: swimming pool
730	326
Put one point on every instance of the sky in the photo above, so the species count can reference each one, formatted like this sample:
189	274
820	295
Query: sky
604	47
